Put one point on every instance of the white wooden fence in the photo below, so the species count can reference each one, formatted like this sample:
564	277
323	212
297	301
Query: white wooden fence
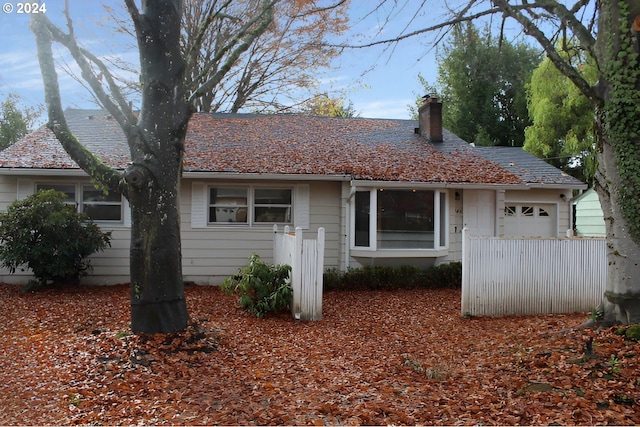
306	258
531	276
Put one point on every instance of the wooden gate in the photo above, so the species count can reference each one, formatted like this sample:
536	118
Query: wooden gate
306	258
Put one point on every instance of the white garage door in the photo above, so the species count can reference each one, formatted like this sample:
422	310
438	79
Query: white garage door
530	220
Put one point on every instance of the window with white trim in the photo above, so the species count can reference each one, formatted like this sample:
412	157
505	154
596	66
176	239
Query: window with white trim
272	205
98	205
400	219
228	205
250	205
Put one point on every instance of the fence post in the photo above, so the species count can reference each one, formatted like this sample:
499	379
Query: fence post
296	274
318	282
464	309
276	249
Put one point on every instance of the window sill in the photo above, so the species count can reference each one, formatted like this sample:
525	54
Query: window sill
111	224
399	253
255	226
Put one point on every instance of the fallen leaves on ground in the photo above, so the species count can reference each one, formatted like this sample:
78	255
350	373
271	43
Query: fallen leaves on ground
377	358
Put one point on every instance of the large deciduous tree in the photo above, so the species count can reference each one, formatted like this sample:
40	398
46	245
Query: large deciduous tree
285	60
155	136
275	73
609	32
612	38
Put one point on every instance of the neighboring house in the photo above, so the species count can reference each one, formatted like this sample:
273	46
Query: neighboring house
386	191
588	214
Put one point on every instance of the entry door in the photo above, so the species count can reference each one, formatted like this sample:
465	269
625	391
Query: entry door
479	212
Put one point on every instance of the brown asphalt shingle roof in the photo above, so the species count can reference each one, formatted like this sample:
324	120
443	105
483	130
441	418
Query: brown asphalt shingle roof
367	149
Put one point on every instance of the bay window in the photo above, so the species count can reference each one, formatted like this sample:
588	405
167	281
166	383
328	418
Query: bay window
399	219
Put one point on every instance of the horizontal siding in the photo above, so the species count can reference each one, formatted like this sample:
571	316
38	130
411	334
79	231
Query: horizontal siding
589	217
325	211
211	254
110	266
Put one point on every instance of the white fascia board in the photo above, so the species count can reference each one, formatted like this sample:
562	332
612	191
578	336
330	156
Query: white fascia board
42	172
437	185
559	186
269	176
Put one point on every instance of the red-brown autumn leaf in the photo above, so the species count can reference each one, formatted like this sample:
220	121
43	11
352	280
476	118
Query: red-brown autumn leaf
376	358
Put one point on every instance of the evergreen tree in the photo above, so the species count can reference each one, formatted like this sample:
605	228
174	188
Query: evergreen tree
481	80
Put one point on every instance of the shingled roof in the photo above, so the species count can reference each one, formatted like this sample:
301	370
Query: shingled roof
528	167
365	149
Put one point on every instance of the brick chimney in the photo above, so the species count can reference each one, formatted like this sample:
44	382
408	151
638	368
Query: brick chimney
430	119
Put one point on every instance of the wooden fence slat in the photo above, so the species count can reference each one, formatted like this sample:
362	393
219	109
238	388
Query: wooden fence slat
531	276
306	258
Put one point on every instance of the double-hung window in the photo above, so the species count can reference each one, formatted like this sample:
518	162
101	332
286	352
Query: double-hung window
399	219
98	205
228	205
272	205
250	205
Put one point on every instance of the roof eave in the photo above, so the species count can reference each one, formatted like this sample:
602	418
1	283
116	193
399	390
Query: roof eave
43	171
268	176
558	186
421	184
309	177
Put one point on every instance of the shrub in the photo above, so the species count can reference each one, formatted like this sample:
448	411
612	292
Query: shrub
402	277
50	237
262	288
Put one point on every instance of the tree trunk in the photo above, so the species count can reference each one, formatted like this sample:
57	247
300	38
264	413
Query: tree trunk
618	178
157	290
157	147
621	303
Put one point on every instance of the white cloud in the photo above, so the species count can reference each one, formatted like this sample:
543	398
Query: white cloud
387	109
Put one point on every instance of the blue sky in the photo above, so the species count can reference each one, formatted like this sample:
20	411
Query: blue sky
380	81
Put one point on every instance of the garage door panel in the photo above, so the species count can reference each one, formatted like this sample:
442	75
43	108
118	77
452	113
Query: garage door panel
529	220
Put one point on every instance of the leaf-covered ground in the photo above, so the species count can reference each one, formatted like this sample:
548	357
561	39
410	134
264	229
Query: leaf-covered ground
395	357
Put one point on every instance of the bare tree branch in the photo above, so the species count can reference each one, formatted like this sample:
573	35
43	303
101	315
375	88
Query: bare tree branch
238	44
135	15
587	41
321	9
57	122
194	50
118	109
550	49
443	25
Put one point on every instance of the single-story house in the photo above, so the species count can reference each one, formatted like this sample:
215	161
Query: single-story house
589	220
386	191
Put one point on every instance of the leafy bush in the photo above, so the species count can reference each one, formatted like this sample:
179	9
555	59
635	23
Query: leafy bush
262	287
50	237
402	277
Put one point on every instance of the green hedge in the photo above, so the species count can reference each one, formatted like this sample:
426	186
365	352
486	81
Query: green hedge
403	277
